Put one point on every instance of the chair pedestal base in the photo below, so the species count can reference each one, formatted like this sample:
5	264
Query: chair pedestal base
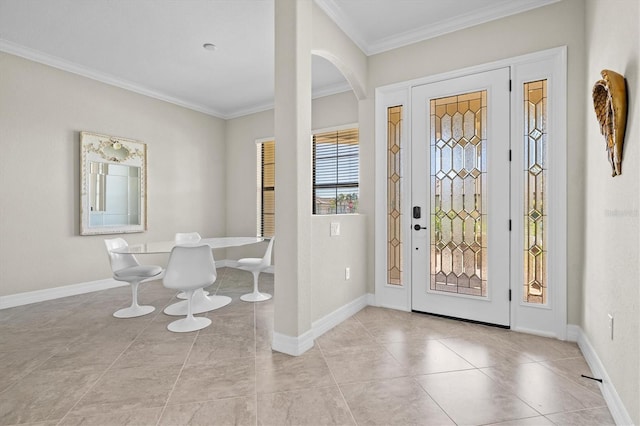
189	324
256	296
182	295
134	311
199	304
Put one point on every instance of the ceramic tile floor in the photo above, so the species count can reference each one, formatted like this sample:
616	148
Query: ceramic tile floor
69	362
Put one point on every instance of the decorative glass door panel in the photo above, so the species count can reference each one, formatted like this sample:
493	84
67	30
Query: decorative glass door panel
460	193
535	210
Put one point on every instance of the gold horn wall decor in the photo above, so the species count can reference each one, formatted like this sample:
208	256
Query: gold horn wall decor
610	103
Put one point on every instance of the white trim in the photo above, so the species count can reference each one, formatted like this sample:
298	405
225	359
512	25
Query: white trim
234	264
36	296
68	66
263	140
386	295
400	93
333	89
371	47
347	126
294	346
614	403
548	319
326	323
533	332
61	64
573	332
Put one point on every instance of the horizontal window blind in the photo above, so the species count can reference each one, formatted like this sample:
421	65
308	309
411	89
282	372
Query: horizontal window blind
267	223
336	172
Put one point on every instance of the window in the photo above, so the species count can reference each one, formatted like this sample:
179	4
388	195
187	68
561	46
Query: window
535	180
266	153
336	158
394	196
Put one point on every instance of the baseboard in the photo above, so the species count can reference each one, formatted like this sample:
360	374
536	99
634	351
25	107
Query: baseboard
371	299
525	330
573	332
294	346
329	321
225	263
614	403
234	264
29	297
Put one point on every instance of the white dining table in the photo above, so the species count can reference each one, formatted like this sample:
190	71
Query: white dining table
201	302
166	246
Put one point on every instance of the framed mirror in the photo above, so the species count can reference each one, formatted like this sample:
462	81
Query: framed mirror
113	185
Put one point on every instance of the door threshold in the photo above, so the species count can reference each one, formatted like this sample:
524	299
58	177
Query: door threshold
506	327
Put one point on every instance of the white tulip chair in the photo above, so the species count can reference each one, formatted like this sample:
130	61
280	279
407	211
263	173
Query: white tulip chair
190	268
256	265
126	268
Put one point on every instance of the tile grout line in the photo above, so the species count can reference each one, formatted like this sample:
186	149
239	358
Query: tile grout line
184	363
55	352
415	380
410	376
333	377
103	373
515	394
255	361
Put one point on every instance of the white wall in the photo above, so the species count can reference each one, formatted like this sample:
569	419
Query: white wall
611	230
42	111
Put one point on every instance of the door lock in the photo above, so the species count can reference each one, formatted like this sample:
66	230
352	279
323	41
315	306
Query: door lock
418	227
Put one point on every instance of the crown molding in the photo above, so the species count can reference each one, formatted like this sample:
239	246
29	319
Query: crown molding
61	64
335	13
52	61
334	89
319	93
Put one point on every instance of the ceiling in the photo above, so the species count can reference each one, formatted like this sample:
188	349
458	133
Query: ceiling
155	47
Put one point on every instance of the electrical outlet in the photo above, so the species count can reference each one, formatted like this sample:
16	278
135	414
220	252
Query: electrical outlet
610	326
335	229
347	273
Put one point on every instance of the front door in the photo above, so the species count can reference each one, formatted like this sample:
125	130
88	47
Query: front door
460	197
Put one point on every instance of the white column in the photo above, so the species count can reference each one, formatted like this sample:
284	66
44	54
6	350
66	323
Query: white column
292	316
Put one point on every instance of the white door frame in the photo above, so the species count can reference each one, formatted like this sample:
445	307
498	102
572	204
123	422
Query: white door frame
551	319
494	306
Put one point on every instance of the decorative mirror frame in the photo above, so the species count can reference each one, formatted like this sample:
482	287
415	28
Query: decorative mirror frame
106	149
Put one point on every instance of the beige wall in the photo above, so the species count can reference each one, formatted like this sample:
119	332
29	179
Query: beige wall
42	111
240	204
612	224
330	255
551	26
330	290
241	136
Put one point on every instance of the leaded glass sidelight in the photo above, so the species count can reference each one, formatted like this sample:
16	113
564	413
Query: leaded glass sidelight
535	176
458	194
394	211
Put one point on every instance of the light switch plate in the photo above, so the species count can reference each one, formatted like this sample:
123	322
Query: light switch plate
335	229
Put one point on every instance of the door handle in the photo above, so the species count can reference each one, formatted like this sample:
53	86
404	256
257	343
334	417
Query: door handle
418	227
